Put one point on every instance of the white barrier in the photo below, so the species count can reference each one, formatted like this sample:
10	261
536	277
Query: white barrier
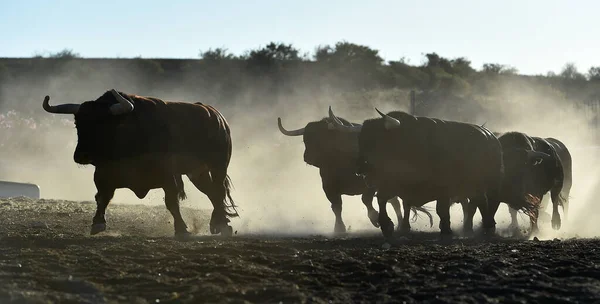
14	189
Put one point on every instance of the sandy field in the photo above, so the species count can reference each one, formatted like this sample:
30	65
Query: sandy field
47	255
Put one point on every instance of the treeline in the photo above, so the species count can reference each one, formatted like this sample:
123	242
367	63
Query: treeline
266	74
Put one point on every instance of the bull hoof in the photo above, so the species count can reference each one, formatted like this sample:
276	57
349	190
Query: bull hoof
533	232
489	232
556	224
446	237
339	229
468	231
445	233
227	231
387	228
182	235
403	230
97	228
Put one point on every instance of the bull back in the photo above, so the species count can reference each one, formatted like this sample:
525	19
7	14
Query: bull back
448	157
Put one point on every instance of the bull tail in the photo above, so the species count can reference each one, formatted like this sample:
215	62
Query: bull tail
229	204
423	210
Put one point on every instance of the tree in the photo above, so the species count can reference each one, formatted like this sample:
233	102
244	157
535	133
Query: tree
492	68
216	54
346	52
274	52
594	73
569	71
352	65
65	54
461	66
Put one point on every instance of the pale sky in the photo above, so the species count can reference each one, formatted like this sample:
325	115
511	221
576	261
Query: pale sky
535	36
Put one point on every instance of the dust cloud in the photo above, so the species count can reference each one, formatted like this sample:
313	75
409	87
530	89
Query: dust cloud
276	192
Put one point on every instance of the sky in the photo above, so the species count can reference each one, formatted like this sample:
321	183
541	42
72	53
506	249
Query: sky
531	35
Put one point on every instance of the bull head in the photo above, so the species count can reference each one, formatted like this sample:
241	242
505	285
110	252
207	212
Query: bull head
390	122
338	125
123	107
289	133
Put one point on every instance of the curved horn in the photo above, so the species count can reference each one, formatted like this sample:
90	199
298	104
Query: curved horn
390	122
124	106
334	118
67	108
289	133
338	125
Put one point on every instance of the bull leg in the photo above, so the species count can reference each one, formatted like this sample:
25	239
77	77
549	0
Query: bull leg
404	226
533	219
367	199
336	207
443	210
488	209
464	204
386	224
469	209
172	204
565	203
213	186
103	197
514	223
556	200
395	202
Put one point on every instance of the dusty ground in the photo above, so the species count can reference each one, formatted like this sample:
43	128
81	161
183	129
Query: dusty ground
46	255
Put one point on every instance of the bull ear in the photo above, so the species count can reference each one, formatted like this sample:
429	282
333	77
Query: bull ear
537	158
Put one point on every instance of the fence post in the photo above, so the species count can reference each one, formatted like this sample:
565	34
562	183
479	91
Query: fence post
412	102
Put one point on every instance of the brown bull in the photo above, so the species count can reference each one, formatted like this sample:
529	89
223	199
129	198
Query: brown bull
143	143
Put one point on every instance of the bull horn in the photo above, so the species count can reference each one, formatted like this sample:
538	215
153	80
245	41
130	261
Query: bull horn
289	133
338	125
333	117
123	107
390	122
67	108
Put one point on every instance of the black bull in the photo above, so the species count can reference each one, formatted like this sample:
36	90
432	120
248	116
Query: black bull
143	143
422	159
335	153
552	173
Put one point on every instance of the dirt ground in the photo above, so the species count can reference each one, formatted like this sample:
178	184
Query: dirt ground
47	255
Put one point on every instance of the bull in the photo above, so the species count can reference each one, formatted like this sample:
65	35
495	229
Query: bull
335	153
528	171
143	143
551	173
421	159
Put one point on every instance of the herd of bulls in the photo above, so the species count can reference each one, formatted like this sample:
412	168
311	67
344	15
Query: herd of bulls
421	159
143	143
